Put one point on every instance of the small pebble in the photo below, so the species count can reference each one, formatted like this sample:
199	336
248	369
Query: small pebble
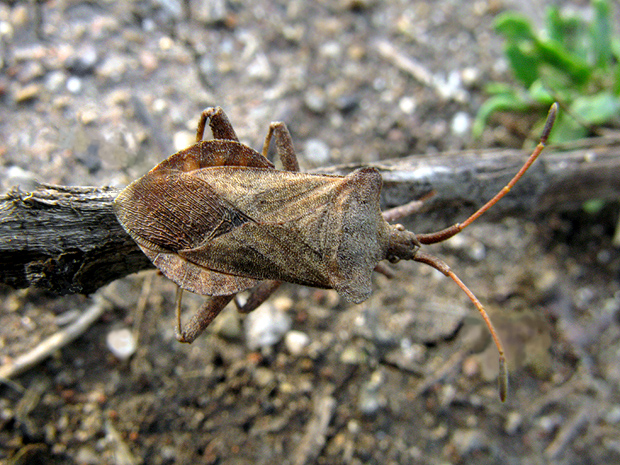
6	29
87	116
112	68
54	81
438	433
296	342
260	68
447	395
613	415
407	105
20	16
27	93
370	399
173	9
353	355
87	455
16	176
513	423
212	12
412	352
74	84
316	151
264	376
346	103
121	343
460	123
477	251
451	88
266	326
83	62
470	76
471	367
315	100
30	71
468	440
548	423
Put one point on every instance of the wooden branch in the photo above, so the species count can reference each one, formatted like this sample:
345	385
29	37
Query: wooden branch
64	239
67	239
463	181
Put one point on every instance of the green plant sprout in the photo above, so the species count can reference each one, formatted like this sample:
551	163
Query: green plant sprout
574	61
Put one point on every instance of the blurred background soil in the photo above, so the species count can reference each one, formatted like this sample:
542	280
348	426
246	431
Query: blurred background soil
98	92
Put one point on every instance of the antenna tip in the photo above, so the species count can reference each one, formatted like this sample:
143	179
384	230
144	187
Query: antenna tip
503	379
553	112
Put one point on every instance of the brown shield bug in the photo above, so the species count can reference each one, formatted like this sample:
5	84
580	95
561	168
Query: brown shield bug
217	218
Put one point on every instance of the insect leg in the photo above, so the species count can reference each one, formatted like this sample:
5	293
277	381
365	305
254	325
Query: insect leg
201	319
407	209
284	145
219	123
258	295
385	270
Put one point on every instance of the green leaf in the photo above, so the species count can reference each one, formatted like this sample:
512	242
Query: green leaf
496	88
615	48
524	65
577	62
596	109
539	93
504	102
601	33
553	54
514	26
593	206
555	25
570	33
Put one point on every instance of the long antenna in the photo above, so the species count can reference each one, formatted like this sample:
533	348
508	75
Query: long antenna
442	266
440	236
444	234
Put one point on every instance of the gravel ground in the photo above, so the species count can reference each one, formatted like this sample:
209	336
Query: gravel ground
96	93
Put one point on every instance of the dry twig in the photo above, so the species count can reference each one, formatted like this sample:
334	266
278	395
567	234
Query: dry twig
313	441
55	342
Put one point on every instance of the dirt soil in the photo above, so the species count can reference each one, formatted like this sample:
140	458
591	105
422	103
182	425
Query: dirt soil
97	93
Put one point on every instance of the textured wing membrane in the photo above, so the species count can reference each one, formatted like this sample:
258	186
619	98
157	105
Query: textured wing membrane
175	211
263	251
149	210
281	238
221	229
270	195
358	235
322	231
196	279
